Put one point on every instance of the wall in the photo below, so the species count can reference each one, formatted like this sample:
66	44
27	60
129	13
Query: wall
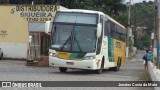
154	73
14	26
155	52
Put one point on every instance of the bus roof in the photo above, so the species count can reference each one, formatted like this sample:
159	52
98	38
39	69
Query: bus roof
81	10
93	12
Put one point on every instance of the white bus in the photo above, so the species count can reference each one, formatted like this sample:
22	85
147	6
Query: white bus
86	39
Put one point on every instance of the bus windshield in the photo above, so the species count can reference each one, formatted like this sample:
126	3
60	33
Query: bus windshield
74	38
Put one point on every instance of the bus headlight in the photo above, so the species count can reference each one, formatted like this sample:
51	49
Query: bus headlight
89	57
52	54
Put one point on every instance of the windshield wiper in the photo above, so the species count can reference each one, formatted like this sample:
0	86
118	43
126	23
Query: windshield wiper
72	38
77	42
69	39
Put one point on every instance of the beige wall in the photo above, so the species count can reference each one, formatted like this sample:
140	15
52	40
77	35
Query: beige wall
14	26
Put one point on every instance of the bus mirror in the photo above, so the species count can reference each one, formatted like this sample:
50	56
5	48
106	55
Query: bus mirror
99	29
48	27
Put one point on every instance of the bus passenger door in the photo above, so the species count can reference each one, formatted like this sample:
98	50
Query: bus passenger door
105	46
105	51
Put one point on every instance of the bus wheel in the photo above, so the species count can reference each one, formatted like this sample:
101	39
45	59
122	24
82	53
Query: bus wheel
99	71
118	65
62	69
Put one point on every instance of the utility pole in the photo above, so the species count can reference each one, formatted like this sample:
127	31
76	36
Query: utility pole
155	30
135	27
128	29
158	36
129	13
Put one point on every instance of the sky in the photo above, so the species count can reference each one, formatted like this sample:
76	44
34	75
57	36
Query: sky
137	1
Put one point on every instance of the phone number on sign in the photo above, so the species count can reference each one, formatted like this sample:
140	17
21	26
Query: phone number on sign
38	19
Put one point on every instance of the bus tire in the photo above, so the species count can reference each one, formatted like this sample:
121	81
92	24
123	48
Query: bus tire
117	68
62	69
99	71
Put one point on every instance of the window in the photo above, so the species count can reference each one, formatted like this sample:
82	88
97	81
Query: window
76	18
112	26
107	30
101	21
122	33
117	32
100	39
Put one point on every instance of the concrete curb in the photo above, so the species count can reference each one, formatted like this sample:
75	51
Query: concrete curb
154	73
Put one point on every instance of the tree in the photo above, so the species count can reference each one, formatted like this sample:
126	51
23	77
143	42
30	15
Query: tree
16	1
143	16
30	1
4	1
144	41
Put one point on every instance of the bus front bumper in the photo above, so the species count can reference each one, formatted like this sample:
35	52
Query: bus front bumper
79	64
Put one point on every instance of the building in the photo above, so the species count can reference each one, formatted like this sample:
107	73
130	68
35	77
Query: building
141	31
20	24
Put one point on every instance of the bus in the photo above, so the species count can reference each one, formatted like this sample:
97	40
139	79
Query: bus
86	39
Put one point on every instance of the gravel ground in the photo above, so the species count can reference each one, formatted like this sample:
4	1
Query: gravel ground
16	70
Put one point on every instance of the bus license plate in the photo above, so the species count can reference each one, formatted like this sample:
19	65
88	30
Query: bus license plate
69	63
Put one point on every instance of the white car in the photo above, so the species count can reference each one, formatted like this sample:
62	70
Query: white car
1	54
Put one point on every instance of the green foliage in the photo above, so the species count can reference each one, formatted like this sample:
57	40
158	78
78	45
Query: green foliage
143	42
4	2
145	76
142	15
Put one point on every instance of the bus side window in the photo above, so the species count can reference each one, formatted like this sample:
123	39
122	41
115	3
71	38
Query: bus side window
113	29
107	30
122	33
118	33
100	39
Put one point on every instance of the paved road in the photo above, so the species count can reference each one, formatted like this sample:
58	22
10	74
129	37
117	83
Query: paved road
15	70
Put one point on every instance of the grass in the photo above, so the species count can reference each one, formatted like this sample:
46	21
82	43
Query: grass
145	76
